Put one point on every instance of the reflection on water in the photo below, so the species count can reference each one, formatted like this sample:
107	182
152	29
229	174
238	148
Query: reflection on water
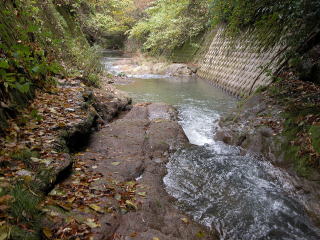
241	196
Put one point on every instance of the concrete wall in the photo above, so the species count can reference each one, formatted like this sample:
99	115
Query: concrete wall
237	67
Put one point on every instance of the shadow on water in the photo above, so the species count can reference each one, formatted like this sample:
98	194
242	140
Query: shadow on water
243	197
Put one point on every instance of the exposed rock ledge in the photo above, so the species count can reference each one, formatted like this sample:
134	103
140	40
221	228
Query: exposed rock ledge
117	190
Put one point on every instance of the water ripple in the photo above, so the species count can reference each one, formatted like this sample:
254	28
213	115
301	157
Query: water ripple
238	195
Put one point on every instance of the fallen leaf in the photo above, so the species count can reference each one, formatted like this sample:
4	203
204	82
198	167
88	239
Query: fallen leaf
185	220
116	163
117	197
3	208
133	235
142	194
47	232
71	200
55	192
131	183
109	210
200	234
5	198
131	204
159	120
4	232
35	159
91	223
96	208
3	236
67	206
155	238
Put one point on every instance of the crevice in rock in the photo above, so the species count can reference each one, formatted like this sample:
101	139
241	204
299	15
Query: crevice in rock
61	176
78	141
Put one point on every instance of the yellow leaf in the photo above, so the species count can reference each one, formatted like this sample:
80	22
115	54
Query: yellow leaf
27	179
3	236
96	208
131	204
133	235
200	234
185	220
47	232
155	238
131	183
71	200
91	223
66	206
142	194
116	163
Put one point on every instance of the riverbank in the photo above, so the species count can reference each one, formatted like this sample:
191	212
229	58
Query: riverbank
37	148
281	123
59	182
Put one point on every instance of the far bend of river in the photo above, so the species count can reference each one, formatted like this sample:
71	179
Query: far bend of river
243	197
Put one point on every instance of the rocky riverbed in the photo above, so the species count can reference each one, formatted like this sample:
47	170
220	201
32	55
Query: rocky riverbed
140	65
260	126
233	189
116	190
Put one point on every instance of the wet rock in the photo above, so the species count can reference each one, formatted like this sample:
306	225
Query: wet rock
180	70
108	103
161	111
255	129
249	129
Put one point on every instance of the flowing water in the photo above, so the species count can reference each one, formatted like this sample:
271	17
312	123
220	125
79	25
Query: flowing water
243	197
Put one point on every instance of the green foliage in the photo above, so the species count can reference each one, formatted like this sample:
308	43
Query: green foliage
169	24
22	66
25	156
106	20
19	233
272	21
112	16
93	79
36	116
187	51
25	205
294	128
24	209
36	35
315	137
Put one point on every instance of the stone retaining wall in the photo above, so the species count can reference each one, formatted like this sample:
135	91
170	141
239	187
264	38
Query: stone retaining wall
237	67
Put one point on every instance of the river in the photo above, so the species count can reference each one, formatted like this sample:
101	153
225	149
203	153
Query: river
242	197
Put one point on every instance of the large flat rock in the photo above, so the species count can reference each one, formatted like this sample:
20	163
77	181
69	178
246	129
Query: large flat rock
134	149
